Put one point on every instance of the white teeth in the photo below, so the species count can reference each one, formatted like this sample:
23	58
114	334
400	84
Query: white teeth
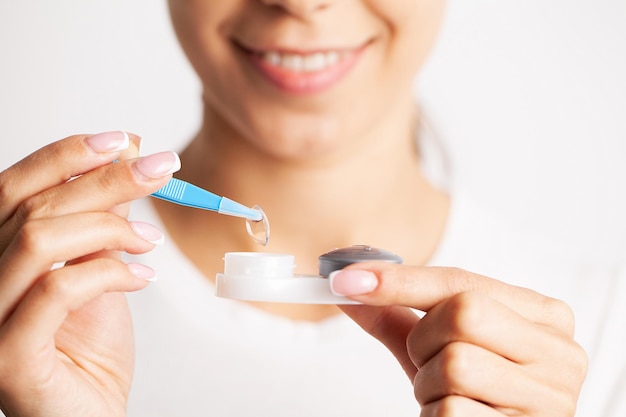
303	63
315	62
272	57
332	58
293	62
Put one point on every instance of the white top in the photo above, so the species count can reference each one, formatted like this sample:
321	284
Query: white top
200	355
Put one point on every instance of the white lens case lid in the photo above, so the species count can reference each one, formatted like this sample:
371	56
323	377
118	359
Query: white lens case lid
258	265
269	277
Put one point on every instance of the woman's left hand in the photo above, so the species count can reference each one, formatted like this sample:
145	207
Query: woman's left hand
482	348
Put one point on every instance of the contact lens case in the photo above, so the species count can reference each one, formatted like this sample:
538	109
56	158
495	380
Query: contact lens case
269	277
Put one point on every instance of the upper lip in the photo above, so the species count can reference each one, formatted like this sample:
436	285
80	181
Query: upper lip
297	50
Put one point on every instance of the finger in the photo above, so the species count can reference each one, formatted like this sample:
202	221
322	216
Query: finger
457	406
131	152
98	190
424	287
107	186
56	163
42	243
390	325
45	307
467	370
477	319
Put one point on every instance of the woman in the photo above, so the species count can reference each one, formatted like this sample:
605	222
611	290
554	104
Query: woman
311	116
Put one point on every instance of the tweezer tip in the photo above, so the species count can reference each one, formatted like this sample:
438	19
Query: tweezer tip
232	208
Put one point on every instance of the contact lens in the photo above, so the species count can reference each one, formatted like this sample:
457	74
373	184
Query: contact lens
259	230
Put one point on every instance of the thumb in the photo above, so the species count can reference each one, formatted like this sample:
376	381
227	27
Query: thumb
131	152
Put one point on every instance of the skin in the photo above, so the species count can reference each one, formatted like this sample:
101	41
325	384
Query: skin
62	336
293	154
483	347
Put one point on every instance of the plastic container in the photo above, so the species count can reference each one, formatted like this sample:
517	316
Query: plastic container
269	277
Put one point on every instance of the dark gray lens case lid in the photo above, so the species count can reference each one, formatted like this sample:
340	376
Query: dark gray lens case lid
340	258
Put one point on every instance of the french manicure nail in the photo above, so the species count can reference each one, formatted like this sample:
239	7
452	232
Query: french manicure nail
107	142
148	232
142	272
352	282
158	165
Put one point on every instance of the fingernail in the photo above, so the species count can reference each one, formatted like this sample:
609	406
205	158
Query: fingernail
142	272
352	282
148	232
108	142
158	165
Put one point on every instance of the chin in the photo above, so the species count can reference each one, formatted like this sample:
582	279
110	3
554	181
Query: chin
299	137
304	147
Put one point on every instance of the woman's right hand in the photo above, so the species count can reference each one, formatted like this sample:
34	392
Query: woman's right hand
66	343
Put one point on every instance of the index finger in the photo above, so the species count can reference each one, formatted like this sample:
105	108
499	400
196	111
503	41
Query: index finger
422	288
56	163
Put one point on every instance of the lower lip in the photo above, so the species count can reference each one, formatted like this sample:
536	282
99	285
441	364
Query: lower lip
303	83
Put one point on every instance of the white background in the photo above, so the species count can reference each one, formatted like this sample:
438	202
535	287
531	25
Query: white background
529	95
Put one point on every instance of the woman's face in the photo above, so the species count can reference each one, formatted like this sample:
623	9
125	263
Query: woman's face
300	77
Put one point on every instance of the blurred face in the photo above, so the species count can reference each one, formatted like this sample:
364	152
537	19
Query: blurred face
301	77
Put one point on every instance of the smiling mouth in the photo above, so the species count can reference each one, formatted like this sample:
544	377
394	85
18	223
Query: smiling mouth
297	72
317	61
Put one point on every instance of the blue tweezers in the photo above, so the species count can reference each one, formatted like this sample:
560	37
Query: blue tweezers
186	194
